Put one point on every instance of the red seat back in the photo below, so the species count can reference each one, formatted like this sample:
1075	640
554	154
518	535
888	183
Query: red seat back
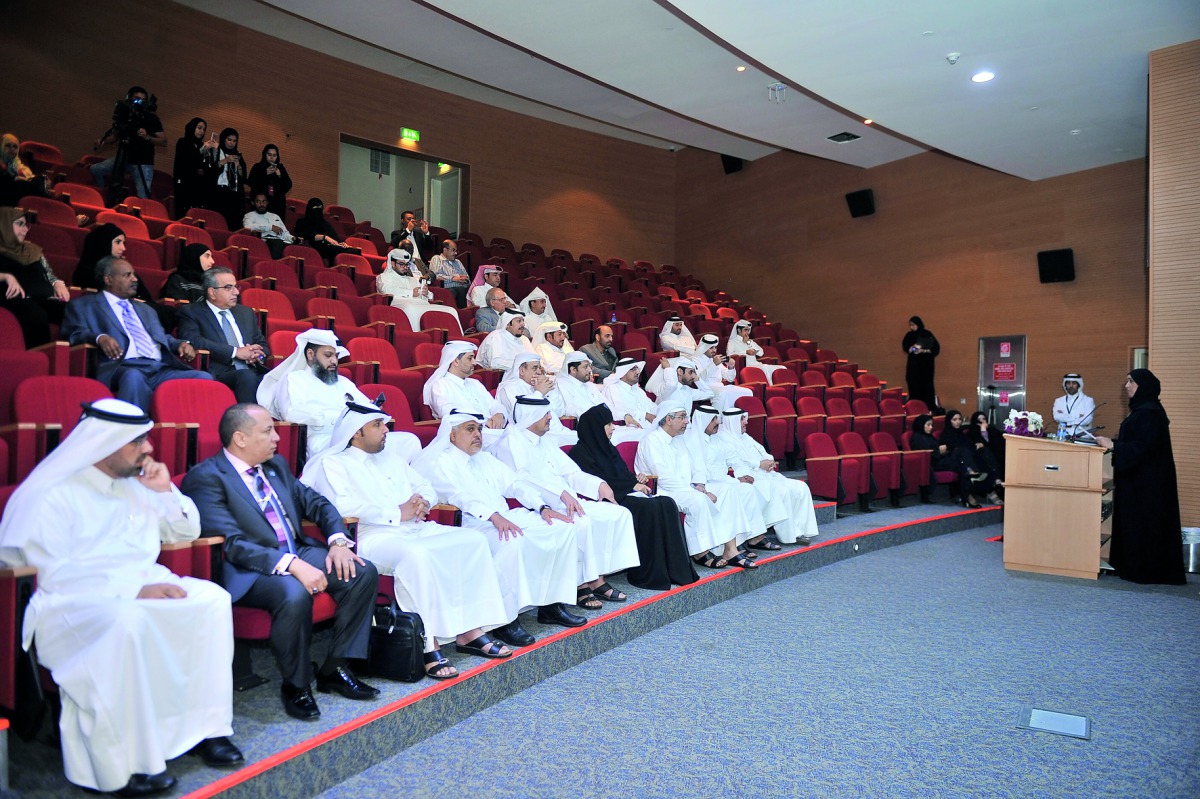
374	349
202	402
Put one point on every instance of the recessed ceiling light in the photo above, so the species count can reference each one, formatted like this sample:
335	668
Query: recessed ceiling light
868	121
741	69
982	77
1033	108
1076	132
926	33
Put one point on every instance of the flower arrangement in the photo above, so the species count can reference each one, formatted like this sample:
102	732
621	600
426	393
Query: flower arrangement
1024	423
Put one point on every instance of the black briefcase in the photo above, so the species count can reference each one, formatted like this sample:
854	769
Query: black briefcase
397	646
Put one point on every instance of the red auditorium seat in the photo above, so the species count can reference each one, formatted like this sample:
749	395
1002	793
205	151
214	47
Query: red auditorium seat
892	418
866	416
50	212
342	319
914	466
45	409
276	311
84	199
395	404
838	417
179	402
949	479
780	408
256	249
884	467
392	316
810	418
832	476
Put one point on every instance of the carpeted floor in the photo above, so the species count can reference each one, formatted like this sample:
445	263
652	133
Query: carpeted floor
899	673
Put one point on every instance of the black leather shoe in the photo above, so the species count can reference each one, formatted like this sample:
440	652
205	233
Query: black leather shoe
218	752
345	683
557	614
147	784
513	634
299	703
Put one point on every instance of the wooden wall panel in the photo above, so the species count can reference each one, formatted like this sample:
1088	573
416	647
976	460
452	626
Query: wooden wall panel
531	180
1175	255
951	242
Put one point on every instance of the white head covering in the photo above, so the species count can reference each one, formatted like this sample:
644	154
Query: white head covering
574	358
424	462
507	317
546	328
686	363
701	418
401	256
1078	378
707	341
268	389
450	353
527	411
514	372
622	368
353	419
731	424
538	294
735	341
672	404
671	320
106	426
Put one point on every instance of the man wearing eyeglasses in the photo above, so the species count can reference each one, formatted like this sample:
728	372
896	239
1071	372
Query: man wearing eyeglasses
447	269
238	353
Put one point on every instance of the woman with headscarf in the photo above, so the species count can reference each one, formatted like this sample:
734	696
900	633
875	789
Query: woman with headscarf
195	166
228	197
186	282
662	546
1147	543
921	347
318	233
103	241
740	343
269	177
956	453
989	442
29	289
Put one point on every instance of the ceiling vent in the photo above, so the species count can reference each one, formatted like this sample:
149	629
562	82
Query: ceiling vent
843	137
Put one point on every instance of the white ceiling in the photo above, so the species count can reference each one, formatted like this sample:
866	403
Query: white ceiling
663	73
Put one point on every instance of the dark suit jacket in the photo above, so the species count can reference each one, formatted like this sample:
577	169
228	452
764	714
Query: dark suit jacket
198	325
229	509
88	317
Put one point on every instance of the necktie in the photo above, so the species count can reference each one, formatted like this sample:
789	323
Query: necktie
270	509
230	337
143	345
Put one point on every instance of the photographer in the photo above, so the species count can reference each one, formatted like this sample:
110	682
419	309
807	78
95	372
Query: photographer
136	130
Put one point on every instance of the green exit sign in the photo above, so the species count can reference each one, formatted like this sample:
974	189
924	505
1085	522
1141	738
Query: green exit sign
410	134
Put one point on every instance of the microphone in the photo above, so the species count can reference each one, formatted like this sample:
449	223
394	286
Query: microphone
1087	431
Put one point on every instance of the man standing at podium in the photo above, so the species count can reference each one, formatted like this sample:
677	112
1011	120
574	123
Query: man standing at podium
1074	410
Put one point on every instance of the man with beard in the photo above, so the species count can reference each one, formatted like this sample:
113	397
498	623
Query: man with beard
504	343
601	352
1074	410
307	389
551	345
626	398
681	377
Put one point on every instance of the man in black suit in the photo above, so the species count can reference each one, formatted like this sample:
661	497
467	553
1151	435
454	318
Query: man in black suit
237	348
136	354
248	495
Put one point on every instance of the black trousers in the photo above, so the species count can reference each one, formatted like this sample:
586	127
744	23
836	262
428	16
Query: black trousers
290	605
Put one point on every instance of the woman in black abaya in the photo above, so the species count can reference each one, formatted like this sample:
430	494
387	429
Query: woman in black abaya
661	545
1147	542
922	348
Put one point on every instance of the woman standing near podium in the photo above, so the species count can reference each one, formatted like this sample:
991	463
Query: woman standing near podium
1147	543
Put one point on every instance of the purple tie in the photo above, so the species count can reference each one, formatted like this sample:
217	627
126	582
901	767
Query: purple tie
266	500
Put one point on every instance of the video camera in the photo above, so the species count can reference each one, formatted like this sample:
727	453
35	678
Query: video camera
131	113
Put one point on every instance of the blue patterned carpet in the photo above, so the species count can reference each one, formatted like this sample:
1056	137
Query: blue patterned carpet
898	673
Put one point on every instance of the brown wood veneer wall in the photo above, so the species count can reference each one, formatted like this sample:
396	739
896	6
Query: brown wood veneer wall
531	180
1175	255
951	242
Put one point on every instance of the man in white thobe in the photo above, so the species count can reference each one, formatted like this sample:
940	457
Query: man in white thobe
444	574
707	519
527	378
451	386
535	554
679	377
1074	411
603	529
706	420
551	345
538	309
579	394
410	292
142	658
675	337
505	342
713	370
307	389
626	399
787	503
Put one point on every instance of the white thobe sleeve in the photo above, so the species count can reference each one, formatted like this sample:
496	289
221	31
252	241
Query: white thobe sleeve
179	520
355	492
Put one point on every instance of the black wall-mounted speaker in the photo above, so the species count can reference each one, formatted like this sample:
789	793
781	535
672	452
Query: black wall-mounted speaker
861	203
1056	266
731	164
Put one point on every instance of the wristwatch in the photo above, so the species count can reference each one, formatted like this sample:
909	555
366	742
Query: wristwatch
543	509
340	542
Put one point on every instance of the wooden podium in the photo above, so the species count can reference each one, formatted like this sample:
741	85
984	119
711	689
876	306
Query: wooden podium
1057	506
